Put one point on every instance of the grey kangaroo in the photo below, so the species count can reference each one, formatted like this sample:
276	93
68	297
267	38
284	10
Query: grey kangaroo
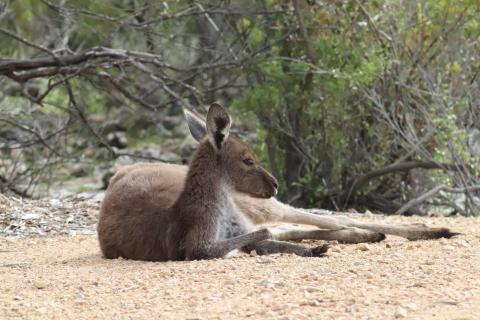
139	218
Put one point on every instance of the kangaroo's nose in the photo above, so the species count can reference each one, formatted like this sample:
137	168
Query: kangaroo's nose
275	184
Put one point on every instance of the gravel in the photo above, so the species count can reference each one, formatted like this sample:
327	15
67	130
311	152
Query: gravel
24	217
61	275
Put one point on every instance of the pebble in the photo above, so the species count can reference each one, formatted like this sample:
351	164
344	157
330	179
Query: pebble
42	310
312	303
55	202
335	249
39	285
419	285
401	313
30	216
363	247
410	306
463	243
271	284
264	260
311	289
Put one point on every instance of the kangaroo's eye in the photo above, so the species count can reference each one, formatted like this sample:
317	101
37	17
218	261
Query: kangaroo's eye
248	162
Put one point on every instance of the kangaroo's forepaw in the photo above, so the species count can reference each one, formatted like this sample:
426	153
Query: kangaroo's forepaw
263	234
379	237
319	251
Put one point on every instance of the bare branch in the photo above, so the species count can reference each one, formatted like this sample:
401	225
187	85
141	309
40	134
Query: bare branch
84	120
359	182
26	42
429	194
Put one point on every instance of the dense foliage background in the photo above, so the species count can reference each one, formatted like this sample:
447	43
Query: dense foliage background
367	104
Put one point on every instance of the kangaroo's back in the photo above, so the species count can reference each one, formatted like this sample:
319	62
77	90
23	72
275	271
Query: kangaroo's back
164	181
134	212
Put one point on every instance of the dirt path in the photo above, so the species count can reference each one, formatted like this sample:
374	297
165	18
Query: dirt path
64	277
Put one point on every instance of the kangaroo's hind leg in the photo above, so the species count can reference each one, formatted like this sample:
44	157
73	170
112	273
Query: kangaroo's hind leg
238	224
344	235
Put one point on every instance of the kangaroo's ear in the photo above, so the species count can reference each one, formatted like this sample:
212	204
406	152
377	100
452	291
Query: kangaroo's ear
218	126
196	125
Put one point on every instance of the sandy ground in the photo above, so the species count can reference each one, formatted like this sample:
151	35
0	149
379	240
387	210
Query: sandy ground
64	277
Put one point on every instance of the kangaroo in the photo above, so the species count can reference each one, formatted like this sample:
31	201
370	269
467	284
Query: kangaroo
140	218
171	179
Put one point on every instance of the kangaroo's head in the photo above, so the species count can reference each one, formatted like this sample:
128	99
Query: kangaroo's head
234	160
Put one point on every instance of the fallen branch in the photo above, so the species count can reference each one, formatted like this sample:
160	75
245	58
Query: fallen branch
429	194
397	167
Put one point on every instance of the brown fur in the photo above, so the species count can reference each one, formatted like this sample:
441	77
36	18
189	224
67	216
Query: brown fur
139	218
170	179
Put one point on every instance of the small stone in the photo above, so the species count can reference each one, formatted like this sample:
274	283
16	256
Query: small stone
42	310
30	216
55	202
39	285
419	285
267	283
363	247
411	306
264	260
463	243
335	249
311	289
351	309
314	303
400	313
17	298
253	253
